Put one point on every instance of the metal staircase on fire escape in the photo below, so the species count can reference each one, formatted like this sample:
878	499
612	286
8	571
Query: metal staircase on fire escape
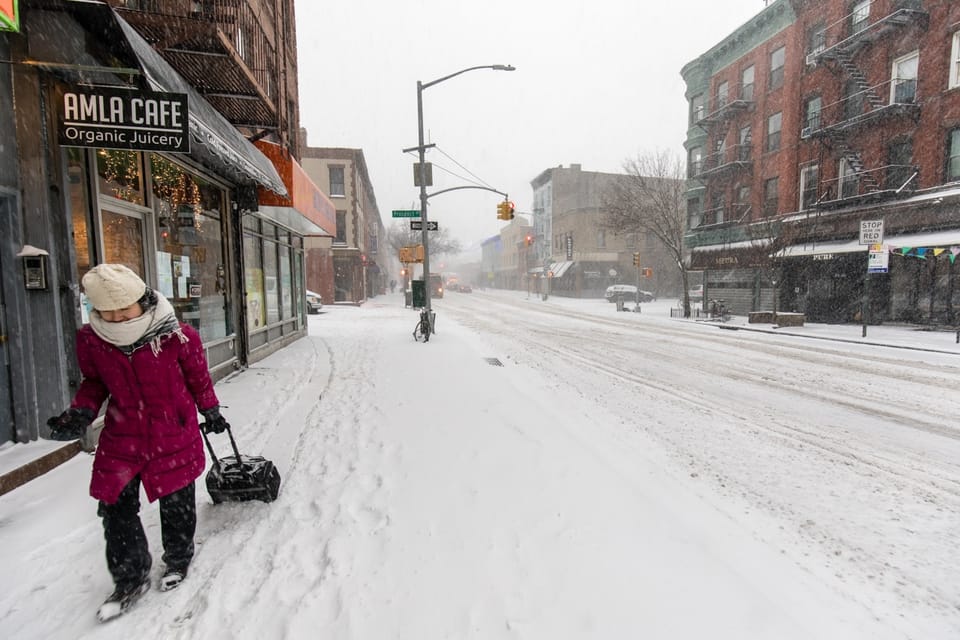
723	162
841	121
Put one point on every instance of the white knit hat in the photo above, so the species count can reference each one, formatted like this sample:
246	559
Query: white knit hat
112	286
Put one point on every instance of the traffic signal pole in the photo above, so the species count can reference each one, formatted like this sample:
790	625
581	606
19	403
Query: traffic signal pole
422	172
424	233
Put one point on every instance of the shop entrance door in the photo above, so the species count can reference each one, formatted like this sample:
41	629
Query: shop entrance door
7	427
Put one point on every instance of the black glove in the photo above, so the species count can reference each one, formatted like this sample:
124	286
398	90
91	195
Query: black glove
213	422
71	424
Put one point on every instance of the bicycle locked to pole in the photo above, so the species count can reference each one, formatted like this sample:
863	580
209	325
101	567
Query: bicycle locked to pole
425	325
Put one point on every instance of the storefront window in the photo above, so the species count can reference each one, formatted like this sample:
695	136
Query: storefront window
253	282
191	267
286	285
120	175
270	275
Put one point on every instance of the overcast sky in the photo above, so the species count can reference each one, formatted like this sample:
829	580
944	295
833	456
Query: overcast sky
595	83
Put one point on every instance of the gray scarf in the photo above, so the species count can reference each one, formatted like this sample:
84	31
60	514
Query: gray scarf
151	327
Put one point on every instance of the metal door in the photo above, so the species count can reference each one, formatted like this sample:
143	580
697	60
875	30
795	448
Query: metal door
7	427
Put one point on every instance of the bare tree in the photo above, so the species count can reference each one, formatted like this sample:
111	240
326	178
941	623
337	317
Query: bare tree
650	200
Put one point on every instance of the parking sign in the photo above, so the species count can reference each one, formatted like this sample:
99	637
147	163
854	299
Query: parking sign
871	231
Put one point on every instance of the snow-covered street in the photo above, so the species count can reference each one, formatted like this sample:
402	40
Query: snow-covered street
621	475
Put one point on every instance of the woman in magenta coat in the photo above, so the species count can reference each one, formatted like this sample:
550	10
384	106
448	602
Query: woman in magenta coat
151	370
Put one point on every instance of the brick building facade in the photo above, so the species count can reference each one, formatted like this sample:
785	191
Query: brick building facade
812	118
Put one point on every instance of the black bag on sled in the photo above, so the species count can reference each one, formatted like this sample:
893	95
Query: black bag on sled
239	478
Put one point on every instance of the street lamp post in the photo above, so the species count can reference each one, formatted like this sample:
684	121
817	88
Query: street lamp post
422	171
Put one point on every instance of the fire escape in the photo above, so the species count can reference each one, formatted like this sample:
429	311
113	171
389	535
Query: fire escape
719	167
863	105
222	49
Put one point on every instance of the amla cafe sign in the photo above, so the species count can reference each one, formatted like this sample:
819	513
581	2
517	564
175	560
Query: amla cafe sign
116	119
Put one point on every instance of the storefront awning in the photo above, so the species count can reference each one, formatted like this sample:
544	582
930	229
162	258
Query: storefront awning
560	268
289	218
557	269
305	197
215	142
821	248
927	239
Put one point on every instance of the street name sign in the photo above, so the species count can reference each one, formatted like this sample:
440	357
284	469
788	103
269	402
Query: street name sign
417	225
406	213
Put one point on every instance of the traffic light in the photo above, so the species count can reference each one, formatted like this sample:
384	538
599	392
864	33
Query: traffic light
636	259
529	239
505	210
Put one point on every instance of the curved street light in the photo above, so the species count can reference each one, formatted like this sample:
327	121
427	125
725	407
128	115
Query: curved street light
423	174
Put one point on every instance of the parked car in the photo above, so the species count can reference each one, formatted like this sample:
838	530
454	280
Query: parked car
314	302
628	293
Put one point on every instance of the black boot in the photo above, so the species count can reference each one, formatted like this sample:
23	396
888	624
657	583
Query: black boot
121	599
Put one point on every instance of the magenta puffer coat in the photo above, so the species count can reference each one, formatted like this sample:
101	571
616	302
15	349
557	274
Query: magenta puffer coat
150	427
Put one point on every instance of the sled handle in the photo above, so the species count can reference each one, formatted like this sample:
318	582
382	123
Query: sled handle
233	443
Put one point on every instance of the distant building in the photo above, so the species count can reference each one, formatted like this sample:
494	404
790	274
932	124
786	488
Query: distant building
810	119
579	257
359	248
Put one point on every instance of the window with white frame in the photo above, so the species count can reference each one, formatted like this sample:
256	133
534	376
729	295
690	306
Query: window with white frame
860	16
698	108
744	140
337	187
849	179
742	205
746	84
694	213
953	155
723	95
771	196
903	81
812	121
777	60
955	62
601	239
817	38
694	162
774	124
809	185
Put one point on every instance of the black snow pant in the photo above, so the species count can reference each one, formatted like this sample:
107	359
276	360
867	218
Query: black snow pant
128	556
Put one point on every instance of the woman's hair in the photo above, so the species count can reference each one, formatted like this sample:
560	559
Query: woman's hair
148	300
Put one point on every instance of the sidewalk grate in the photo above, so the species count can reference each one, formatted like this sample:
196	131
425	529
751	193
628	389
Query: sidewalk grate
494	361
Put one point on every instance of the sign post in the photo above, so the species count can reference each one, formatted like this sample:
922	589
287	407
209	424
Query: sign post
871	233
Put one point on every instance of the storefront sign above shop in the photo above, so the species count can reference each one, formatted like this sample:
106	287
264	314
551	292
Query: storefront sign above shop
117	119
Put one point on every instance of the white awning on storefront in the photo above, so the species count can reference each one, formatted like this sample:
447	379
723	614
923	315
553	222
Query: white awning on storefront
560	268
821	248
927	239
